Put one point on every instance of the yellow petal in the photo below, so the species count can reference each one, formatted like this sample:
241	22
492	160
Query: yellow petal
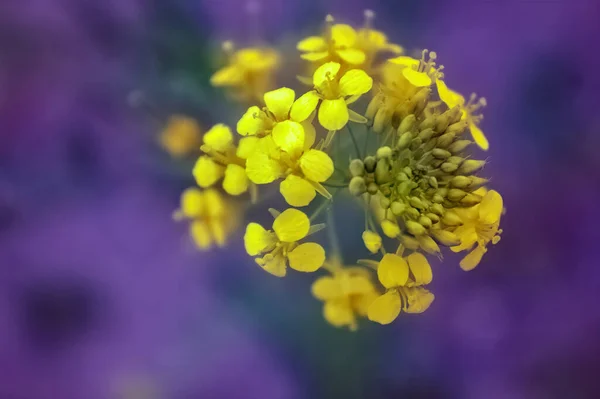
291	226
316	165
362	302
326	287
392	271
257	239
297	191
450	97
279	102
490	208
419	300
235	181
304	106
310	134
419	79
479	137
219	137
252	122
315	56
355	284
218	231
420	268
352	56
246	146
405	60
192	203
207	172
390	228
289	136
307	257
200	235
385	308
472	259
355	82
261	169
333	114
325	72
467	236
274	265
343	35
213	203
312	43
228	76
372	241
338	313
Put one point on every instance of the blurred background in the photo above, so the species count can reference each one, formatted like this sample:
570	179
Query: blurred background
103	295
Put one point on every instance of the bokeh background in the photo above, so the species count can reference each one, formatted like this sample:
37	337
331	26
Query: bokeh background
102	295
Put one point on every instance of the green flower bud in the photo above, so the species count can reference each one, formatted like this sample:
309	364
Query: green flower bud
374	106
384	202
384	153
455	160
471	199
382	171
438	209
372	188
428	245
457	128
382	119
445	237
477	182
438	199
415	143
386	190
455	194
401	177
405	140
430	145
408	171
357	186
448	167
460	181
433	217
418	153
440	153
420	99
416	203
426	134
408	124
454	114
428	123
470	166
397	208
370	163
432	181
409	242
442	192
451	219
458	146
357	167
445	140
415	228
425	221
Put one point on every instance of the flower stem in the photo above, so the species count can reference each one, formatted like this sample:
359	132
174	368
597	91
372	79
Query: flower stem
354	141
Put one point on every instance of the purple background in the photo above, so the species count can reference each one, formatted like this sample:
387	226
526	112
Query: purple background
100	291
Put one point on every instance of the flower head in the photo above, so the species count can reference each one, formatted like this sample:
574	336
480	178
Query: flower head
480	226
334	91
279	247
347	294
180	136
249	72
212	217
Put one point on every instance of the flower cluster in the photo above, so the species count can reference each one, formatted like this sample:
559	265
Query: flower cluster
415	174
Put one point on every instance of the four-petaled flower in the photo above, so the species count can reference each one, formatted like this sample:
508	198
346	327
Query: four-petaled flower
280	245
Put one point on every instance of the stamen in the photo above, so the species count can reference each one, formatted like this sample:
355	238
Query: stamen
228	48
369	17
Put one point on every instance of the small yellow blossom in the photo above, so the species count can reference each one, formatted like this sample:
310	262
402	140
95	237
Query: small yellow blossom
335	91
453	99
373	42
421	73
480	227
213	218
403	278
222	160
347	293
249	72
280	245
180	136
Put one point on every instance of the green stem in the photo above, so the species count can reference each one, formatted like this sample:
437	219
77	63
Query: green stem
354	141
335	185
332	235
320	209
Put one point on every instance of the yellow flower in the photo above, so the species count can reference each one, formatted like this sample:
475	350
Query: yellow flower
453	99
372	42
222	160
249	72
346	293
273	123
335	91
280	245
403	278
421	73
480	227
180	136
212	217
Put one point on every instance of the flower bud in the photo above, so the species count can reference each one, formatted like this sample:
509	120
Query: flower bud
470	166
457	128
382	119
357	186
448	167
445	140
440	153
455	194
471	199
401	176
357	167
415	143
415	228
372	188
390	229
428	245
384	202
460	181
397	208
372	241
438	209
409	242
451	219
384	153
455	160
432	181
433	217
374	106
454	114
416	203
408	171
420	99
428	123
370	163
426	134
407	125
412	213
477	182
382	171
445	237
458	146
404	140
425	221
